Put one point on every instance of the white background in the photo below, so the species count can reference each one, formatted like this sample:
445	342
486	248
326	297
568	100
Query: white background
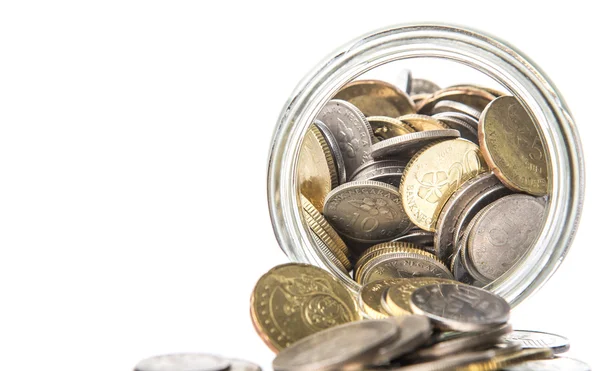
133	151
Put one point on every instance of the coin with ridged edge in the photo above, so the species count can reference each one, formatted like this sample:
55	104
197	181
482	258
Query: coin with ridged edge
316	215
329	255
336	151
405	146
376	98
396	301
369	297
183	362
328	247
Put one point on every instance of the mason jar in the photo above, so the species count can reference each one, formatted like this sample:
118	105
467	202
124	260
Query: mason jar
494	58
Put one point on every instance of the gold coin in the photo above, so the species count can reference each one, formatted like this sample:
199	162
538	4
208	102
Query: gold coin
324	224
331	250
397	298
434	174
317	174
494	92
422	122
503	361
377	98
292	301
469	95
512	146
384	247
369	297
388	127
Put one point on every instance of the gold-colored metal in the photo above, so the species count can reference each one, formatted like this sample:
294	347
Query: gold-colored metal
503	361
324	224
432	176
469	95
494	92
377	98
386	248
388	127
512	146
397	298
370	295
317	174
422	122
292	301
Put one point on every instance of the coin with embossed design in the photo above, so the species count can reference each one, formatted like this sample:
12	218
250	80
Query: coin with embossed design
377	98
292	301
512	146
369	297
432	176
536	339
396	300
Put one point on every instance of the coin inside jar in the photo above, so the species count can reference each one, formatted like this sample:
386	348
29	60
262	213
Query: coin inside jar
376	98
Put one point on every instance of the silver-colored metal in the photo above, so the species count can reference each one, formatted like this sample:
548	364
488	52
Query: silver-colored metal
422	86
385	171
373	163
241	365
353	344
450	363
366	211
535	339
401	265
414	331
405	146
504	233
330	255
184	362
423	239
498	60
467	131
458	269
464	257
452	106
460	307
336	151
405	81
470	120
351	131
555	364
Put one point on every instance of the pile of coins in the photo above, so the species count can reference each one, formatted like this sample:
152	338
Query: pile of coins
194	362
449	183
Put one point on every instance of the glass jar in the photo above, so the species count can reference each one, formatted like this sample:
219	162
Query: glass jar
498	60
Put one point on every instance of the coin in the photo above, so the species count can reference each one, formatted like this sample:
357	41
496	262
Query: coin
373	250
292	301
459	271
535	339
183	362
337	348
324	225
396	300
432	176
388	127
414	331
471	96
464	256
389	172
336	151
366	210
512	146
422	239
351	131
401	263
449	363
554	364
466	130
504	233
418	98
405	146
331	257
470	120
499	362
422	122
494	92
316	170
369	297
376	98
460	307
241	365
422	86
452	106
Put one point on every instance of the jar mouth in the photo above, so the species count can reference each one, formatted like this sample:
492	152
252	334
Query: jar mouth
496	59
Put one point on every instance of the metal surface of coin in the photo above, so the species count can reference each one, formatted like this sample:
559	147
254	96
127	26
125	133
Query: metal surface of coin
241	365
388	127
366	211
466	130
319	301
405	80
506	360
449	363
317	175
422	122
336	151
494	92
183	362
376	98
504	233
369	298
418	98
432	176
471	121
535	339
414	331
351	131
460	307
385	247
337	348
554	364
447	222
406	263
423	240
471	96
452	106
512	146
422	86
381	172
396	300
459	271
371	165
326	251
464	256
405	146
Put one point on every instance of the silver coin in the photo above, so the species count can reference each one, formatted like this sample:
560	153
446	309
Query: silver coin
351	131
414	331
391	175
369	166
336	151
366	211
452	106
405	80
470	120
466	130
460	307
448	343
464	257
458	269
405	146
554	364
183	362
535	340
447	222
241	365
422	86
504	233
401	265
423	239
353	344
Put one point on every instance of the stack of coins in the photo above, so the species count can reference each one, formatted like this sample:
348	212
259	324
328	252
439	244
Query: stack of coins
448	183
